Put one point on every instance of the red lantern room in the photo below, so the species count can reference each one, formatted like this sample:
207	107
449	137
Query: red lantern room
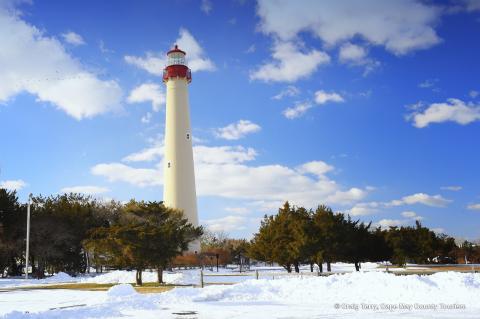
176	66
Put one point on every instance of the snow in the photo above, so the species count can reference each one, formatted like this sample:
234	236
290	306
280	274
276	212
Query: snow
60	277
123	276
121	290
338	296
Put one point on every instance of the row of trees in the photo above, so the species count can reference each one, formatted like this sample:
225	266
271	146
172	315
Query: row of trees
71	232
297	236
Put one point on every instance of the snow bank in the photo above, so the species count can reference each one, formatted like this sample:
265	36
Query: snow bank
121	290
366	287
291	297
125	277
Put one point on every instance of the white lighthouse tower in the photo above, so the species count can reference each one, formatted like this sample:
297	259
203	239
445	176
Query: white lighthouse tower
179	175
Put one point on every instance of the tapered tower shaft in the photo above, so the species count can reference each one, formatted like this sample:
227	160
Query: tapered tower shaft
179	174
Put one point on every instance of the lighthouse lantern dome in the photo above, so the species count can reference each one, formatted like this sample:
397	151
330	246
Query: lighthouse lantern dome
176	57
176	66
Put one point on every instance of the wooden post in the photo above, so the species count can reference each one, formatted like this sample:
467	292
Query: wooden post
201	279
256	274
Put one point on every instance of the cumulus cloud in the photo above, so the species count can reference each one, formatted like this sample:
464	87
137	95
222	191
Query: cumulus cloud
356	55
146	155
237	130
474	206
362	209
148	92
13	185
352	53
400	26
289	64
88	190
453	110
322	97
154	63
387	223
411	215
297	110
73	38
318	168
39	65
226	224
118	172
421	198
265	186
289	91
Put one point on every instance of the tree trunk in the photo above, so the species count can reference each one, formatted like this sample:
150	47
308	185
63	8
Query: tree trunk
311	266
329	266
297	269
160	275
357	266
320	267
138	277
288	267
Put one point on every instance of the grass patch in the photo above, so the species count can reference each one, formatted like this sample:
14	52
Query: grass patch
150	287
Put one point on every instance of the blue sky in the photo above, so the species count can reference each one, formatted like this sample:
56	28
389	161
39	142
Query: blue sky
374	112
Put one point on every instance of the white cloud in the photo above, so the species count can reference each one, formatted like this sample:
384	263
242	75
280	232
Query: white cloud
146	118
356	55
154	63
148	92
11	185
411	215
362	209
265	186
206	6
117	172
289	63
452	188
428	83
322	97
401	26
89	190
289	91
352	53
318	168
238	210
474	206
454	110
226	224
39	65
146	155
217	155
73	38
473	94
421	198
297	110
237	130
386	223
197	61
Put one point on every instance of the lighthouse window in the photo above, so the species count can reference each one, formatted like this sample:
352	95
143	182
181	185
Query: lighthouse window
168	165
188	136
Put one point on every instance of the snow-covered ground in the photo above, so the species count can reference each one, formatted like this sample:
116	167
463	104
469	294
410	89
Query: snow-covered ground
337	296
180	277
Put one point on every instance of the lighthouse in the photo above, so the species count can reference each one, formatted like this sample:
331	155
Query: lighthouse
179	175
